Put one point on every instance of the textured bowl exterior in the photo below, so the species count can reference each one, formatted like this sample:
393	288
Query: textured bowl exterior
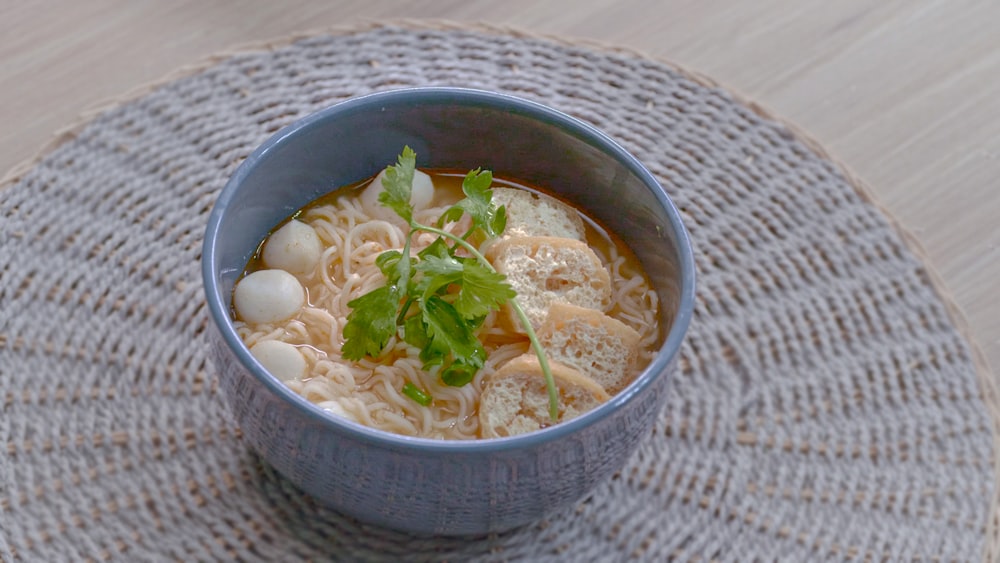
427	490
435	486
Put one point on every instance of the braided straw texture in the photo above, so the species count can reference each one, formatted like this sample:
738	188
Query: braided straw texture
826	406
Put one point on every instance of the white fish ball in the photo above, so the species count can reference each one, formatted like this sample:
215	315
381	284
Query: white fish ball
423	190
268	296
280	359
420	196
295	248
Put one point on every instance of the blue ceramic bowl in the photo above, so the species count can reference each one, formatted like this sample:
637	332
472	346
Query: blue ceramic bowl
423	485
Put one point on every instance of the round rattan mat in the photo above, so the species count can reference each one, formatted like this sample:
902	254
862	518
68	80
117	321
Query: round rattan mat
826	406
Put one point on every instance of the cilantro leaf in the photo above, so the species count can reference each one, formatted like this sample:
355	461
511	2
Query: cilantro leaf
451	215
397	271
476	187
388	262
397	184
438	249
371	323
482	290
499	222
452	293
447	330
433	352
437	273
477	203
415	332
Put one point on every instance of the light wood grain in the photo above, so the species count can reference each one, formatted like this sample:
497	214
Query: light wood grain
905	93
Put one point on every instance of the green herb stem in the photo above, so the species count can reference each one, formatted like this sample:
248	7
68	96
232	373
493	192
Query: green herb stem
536	345
458	240
417	394
404	309
543	361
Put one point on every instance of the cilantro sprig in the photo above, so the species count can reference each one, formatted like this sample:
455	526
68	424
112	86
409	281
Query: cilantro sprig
438	299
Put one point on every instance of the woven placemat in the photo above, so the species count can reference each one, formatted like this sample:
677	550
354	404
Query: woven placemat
826	406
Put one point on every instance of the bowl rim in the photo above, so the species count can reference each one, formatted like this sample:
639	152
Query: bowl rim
475	98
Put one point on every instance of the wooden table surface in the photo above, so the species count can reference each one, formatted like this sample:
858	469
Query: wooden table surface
905	92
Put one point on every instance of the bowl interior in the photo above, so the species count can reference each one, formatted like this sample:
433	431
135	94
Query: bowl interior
462	129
